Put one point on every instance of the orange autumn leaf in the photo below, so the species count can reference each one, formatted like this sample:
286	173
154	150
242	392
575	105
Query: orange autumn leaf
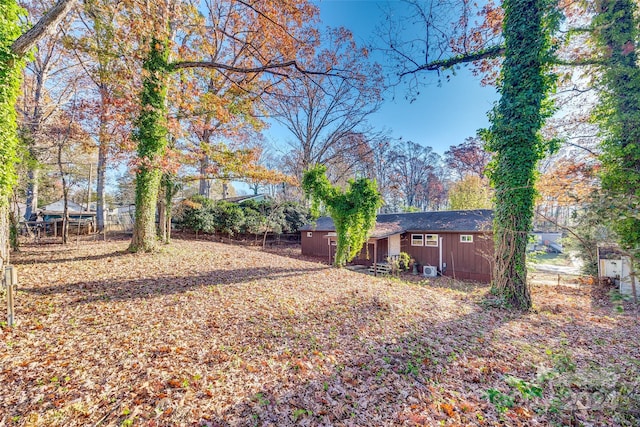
447	408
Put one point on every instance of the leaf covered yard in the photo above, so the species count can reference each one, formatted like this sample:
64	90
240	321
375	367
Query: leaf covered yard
209	334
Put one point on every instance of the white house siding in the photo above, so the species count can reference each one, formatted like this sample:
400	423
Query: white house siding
394	245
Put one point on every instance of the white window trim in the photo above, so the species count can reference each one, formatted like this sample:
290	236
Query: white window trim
414	243
469	236
433	242
309	234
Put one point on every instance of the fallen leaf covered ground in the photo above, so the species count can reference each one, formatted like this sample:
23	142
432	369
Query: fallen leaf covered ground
210	334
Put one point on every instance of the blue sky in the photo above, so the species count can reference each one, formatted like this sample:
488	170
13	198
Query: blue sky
441	116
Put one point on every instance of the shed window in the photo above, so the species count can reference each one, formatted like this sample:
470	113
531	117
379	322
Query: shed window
431	240
309	234
417	240
466	238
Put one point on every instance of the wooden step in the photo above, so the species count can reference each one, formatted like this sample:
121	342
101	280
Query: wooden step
380	269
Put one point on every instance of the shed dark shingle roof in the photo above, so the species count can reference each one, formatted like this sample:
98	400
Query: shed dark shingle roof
389	224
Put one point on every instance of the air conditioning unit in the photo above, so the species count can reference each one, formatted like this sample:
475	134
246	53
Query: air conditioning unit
429	271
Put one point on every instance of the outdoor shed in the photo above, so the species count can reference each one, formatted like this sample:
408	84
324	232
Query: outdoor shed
614	264
450	243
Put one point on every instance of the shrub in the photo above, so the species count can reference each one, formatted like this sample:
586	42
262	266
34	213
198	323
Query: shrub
196	214
228	217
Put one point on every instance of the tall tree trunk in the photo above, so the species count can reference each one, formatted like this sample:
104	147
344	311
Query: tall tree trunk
205	183
162	222
65	197
65	214
516	140
101	177
169	217
170	189
151	135
617	31
225	190
33	176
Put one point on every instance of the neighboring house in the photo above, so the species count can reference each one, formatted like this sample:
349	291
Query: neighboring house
545	241
55	210
451	243
242	199
123	216
53	213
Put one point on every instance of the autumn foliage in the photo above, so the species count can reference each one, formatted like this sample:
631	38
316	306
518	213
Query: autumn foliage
205	333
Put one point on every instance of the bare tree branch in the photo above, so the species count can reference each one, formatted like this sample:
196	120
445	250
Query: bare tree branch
269	68
43	27
492	52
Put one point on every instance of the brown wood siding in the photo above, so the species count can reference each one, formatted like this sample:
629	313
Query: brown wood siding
466	261
383	249
316	245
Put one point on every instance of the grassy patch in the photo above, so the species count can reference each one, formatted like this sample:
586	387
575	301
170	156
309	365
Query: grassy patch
562	259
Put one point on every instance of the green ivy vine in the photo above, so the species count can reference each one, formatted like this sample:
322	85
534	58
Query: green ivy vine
514	137
151	136
10	79
353	211
616	35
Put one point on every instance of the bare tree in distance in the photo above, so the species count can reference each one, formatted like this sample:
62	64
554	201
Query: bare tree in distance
327	115
468	158
413	166
47	86
104	54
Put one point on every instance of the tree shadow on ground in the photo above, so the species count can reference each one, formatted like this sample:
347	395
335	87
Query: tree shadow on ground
65	256
359	359
122	290
433	373
385	379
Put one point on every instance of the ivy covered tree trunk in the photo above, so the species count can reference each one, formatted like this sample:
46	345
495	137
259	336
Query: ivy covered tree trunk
619	113
516	141
353	211
10	78
13	46
65	197
151	136
617	29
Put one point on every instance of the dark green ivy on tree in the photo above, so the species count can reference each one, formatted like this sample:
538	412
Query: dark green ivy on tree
14	46
151	135
514	137
616	35
616	32
525	82
353	211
